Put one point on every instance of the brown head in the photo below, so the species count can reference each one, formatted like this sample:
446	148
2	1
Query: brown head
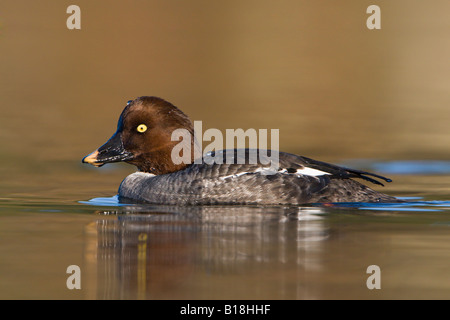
144	137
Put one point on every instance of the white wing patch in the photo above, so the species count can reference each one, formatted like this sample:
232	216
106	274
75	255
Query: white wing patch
268	171
311	172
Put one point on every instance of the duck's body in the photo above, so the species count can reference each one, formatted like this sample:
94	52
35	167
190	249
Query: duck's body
296	180
205	184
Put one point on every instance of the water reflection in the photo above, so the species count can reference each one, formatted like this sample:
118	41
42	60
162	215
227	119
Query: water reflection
404	167
152	252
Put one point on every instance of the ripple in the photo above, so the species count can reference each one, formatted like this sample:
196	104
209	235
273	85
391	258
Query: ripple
408	205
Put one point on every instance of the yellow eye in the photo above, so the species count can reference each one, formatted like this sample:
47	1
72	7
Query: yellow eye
141	128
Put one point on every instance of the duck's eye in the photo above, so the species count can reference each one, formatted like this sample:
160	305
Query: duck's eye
129	101
141	128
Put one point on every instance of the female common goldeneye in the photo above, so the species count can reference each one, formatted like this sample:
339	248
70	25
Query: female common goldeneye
143	138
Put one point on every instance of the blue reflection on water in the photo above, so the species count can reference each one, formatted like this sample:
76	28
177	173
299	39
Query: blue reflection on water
414	167
403	166
108	201
410	204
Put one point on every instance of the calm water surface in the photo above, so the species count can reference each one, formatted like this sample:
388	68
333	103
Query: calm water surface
135	251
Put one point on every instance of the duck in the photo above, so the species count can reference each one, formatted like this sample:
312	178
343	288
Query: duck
143	138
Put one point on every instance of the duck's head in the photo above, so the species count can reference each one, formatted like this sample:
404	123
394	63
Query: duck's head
144	137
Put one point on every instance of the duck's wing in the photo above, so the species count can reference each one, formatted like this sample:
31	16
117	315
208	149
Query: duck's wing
341	172
288	163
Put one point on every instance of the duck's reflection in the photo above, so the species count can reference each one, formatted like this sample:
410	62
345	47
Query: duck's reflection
169	252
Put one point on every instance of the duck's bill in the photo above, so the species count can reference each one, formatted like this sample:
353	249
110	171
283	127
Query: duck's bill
92	159
111	151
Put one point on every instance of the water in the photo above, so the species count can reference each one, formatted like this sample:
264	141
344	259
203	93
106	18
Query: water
273	253
139	251
338	92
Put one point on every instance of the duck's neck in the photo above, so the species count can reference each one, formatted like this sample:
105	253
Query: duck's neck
166	159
